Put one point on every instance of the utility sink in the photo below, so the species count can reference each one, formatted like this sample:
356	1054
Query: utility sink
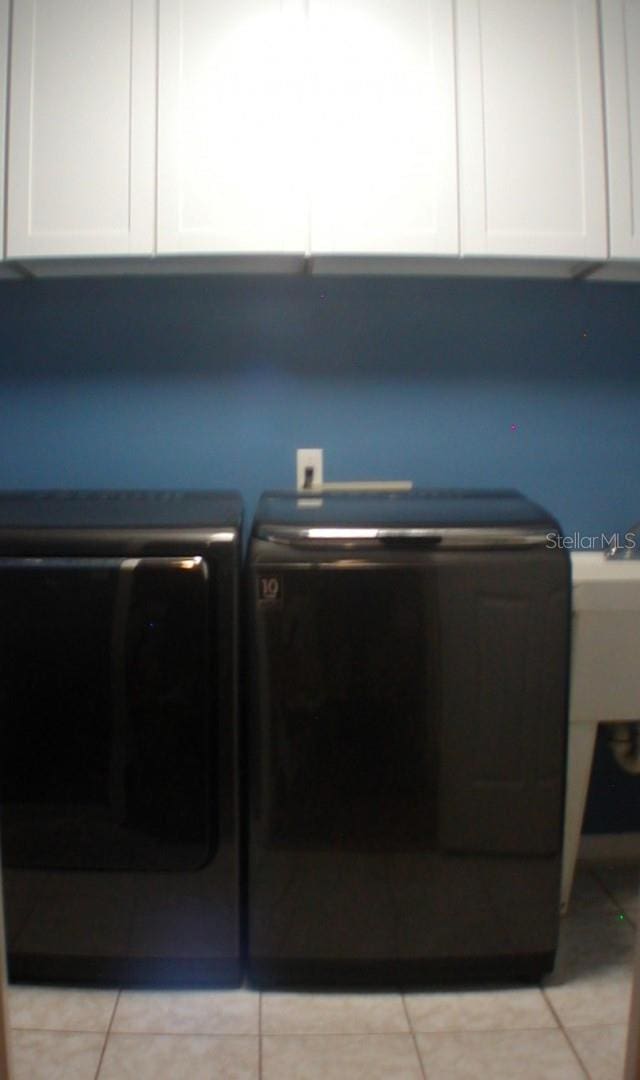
605	668
605	675
602	584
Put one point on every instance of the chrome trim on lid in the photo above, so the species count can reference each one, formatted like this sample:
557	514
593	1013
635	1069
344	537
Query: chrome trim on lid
455	537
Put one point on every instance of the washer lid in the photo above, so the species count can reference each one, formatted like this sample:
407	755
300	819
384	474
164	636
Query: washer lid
127	509
424	517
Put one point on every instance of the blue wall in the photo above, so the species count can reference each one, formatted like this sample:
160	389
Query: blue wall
214	381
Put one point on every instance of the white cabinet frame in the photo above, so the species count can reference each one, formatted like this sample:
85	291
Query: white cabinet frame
621	55
4	62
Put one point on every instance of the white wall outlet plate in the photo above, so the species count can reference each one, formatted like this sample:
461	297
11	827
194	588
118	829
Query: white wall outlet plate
308	468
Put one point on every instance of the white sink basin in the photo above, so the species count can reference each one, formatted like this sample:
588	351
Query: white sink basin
605	675
604	683
605	662
601	584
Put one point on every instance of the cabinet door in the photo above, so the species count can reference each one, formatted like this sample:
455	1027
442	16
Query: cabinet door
531	131
383	170
81	128
621	51
230	167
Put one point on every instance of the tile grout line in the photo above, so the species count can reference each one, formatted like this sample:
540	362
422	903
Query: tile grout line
380	1033
151	1033
107	1033
611	896
413	1035
564	1031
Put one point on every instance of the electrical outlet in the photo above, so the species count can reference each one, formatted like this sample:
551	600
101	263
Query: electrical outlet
308	468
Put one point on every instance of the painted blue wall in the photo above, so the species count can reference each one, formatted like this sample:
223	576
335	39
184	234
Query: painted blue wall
214	381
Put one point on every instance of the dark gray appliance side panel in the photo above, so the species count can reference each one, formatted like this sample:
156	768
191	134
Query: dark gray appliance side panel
504	647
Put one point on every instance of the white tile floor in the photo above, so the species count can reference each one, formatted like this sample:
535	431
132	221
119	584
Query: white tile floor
573	1026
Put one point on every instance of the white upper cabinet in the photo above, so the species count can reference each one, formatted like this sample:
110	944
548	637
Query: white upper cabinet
230	127
531	140
81	128
382	124
423	129
621	51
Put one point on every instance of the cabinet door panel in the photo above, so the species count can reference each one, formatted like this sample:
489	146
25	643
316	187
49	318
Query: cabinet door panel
82	131
621	51
230	164
382	149
531	133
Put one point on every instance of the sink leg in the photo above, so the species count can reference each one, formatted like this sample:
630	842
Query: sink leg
632	1066
582	739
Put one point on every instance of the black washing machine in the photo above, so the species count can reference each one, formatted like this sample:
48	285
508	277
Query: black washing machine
407	736
119	736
